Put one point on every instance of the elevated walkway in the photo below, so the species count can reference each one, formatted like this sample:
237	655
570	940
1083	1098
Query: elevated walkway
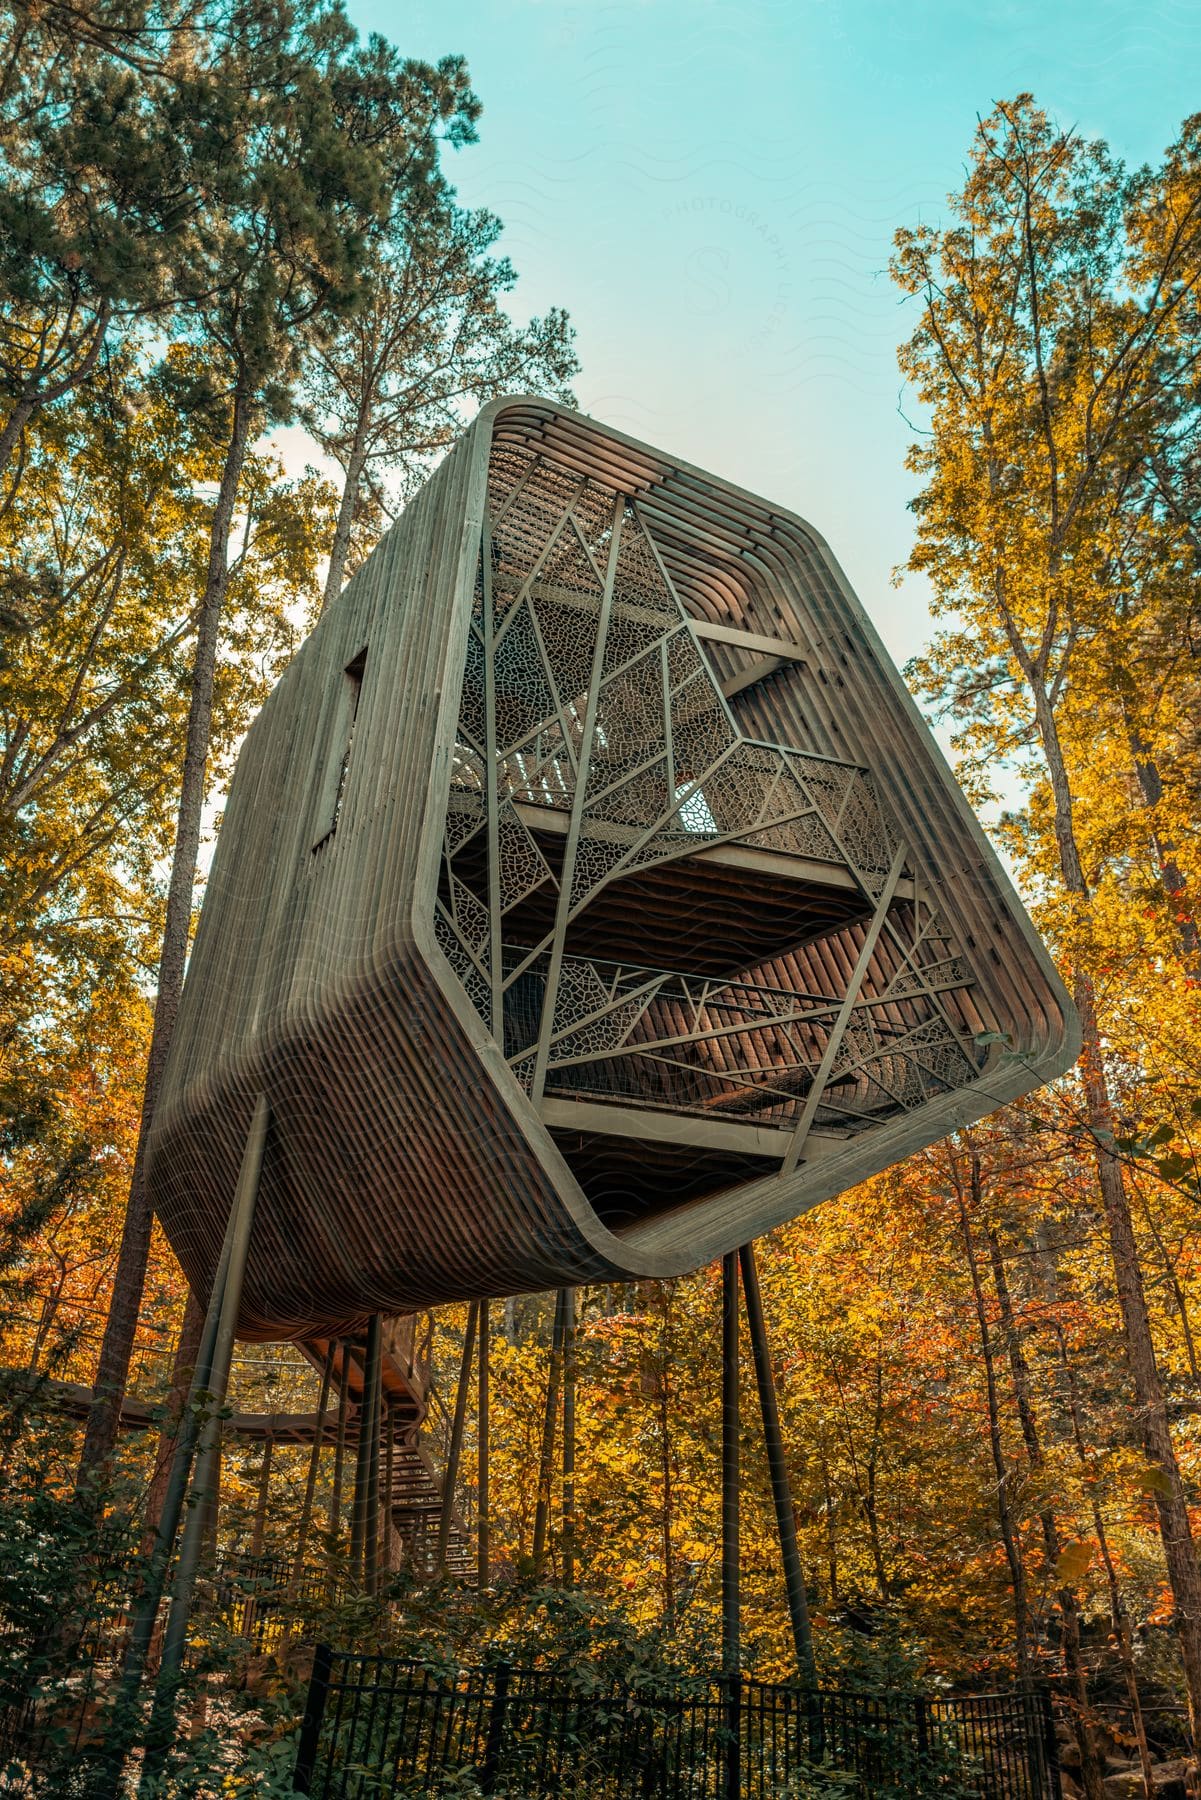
416	1498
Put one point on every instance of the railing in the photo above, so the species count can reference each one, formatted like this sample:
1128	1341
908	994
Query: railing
746	1052
376	1725
64	1341
263	1600
792	801
55	1674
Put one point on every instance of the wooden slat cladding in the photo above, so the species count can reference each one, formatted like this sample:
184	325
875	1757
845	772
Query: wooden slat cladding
406	1163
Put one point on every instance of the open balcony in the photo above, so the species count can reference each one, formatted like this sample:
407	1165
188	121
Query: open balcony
707	957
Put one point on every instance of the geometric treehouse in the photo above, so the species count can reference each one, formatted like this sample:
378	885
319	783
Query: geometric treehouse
590	899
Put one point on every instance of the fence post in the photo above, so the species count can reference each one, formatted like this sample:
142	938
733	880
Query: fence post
921	1711
817	1729
314	1713
1050	1744
490	1767
730	1780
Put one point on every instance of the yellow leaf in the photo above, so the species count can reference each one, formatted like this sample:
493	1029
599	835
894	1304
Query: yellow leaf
1073	1563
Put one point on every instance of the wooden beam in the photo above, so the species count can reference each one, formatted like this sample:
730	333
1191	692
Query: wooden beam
549	821
682	1128
750	640
756	671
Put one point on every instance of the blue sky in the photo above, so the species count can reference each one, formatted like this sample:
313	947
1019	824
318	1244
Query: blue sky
711	191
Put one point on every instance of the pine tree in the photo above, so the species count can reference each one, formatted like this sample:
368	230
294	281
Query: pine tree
391	385
1038	354
295	194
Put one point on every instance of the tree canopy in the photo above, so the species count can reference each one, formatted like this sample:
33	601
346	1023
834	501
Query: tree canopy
217	218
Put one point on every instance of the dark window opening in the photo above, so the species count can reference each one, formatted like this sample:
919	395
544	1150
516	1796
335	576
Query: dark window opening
348	712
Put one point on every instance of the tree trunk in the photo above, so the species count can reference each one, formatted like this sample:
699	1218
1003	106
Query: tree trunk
186	1350
865	1480
1171	1506
831	1533
870	1508
664	1398
1069	1610
1180	1553
1119	1622
49	1313
12	428
1013	1555
117	1345
1178	1296
335	1497
1175	886
340	548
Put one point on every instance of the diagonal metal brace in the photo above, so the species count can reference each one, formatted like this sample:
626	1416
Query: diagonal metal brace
833	1042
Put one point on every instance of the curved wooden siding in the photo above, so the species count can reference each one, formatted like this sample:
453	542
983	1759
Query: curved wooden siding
405	1165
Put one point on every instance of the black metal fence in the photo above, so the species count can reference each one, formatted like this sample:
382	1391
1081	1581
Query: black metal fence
263	1599
375	1726
55	1674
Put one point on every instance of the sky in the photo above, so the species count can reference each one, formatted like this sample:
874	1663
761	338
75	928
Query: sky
711	189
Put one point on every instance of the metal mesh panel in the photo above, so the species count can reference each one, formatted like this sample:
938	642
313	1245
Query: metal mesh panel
587	697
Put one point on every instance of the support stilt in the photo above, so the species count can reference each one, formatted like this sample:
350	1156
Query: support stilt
730	1611
208	1449
260	1504
364	1549
456	1438
546	1457
794	1579
482	1472
569	1437
335	1495
310	1480
145	1614
386	1539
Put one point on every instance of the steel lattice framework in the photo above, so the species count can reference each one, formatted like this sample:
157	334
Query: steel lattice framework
590	898
586	693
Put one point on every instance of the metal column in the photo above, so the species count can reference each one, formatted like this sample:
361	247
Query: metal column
482	1544
781	1492
451	1476
162	1719
569	1437
730	1612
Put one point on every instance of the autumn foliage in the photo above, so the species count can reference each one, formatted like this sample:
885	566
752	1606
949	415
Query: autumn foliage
987	1357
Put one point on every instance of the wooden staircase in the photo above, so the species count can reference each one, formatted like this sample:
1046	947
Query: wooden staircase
415	1501
416	1505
